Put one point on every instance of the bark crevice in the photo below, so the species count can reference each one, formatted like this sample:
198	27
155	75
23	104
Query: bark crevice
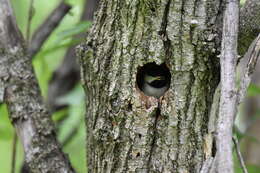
141	32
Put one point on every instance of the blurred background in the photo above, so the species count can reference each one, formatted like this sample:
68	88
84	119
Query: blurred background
58	76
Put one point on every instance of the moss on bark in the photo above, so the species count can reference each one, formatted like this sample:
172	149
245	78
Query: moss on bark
128	131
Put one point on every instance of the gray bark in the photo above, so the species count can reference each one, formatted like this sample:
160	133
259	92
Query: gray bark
249	24
127	130
228	96
22	96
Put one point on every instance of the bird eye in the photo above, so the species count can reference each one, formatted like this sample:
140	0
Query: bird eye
153	80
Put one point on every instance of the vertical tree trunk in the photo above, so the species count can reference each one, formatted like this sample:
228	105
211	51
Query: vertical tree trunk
127	130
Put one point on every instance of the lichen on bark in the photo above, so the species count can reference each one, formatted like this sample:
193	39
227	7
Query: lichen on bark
21	93
128	131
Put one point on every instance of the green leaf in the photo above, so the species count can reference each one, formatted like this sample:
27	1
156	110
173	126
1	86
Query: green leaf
5	133
65	44
253	90
79	28
240	135
242	1
6	129
253	168
256	115
72	121
43	74
75	97
60	115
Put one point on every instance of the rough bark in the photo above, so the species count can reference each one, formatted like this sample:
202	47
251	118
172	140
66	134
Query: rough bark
249	24
21	93
128	131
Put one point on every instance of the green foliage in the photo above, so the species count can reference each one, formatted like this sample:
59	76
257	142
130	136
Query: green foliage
78	28
253	168
74	124
45	62
250	168
242	1
6	129
253	90
6	142
240	135
52	52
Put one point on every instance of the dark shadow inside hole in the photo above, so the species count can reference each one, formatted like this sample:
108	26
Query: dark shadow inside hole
153	80
129	107
214	148
139	135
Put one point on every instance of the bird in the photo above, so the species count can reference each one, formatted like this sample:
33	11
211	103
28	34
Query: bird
154	85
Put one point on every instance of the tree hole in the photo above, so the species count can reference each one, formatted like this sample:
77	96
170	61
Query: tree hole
153	80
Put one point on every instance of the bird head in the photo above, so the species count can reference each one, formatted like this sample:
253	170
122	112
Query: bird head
150	79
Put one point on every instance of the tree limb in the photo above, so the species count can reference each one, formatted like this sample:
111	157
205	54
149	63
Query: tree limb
252	55
47	27
14	153
22	96
228	95
239	155
29	22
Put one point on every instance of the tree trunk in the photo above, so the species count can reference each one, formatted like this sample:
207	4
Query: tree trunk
129	131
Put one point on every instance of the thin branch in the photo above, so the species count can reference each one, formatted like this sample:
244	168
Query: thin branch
228	96
14	153
252	55
66	76
30	16
43	32
239	155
